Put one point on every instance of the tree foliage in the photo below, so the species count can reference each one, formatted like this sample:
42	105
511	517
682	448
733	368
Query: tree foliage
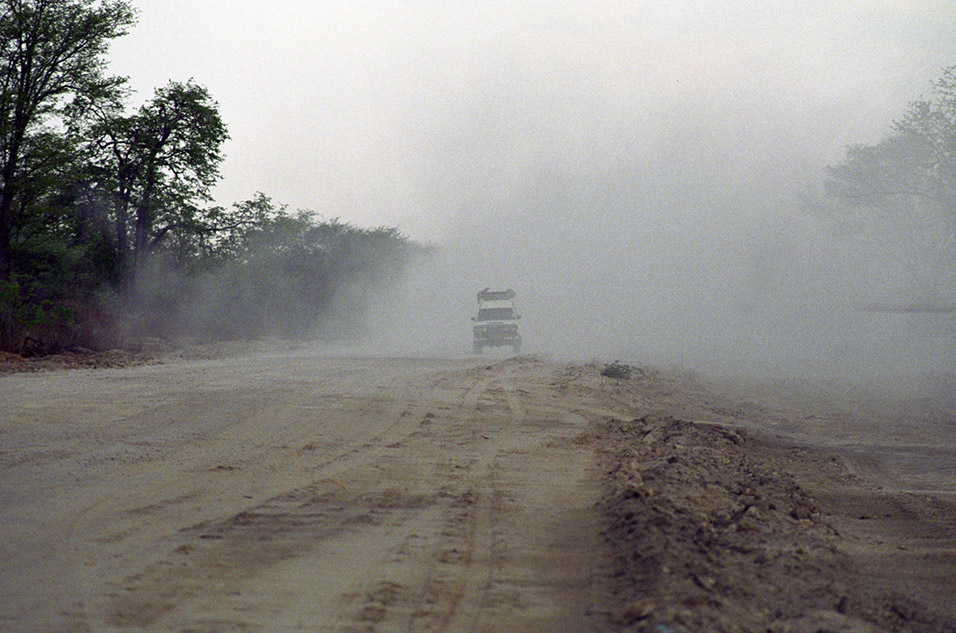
278	273
107	231
907	180
50	51
152	170
911	170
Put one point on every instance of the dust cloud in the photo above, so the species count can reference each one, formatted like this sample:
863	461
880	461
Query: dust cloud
657	229
632	170
776	295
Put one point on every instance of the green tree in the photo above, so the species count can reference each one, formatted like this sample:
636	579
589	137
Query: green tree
52	52
287	273
155	169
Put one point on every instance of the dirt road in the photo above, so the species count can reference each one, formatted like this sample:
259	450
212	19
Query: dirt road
309	492
295	492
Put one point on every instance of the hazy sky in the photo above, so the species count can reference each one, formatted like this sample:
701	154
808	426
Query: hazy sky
630	168
369	110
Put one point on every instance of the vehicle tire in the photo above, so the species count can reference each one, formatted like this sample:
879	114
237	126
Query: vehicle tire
477	348
516	348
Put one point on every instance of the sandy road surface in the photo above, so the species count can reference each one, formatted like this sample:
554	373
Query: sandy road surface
295	492
308	492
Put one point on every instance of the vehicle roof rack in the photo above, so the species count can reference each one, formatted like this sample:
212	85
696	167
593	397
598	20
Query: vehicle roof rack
487	294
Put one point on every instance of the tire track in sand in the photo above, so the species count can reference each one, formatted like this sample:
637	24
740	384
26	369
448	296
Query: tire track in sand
480	577
152	596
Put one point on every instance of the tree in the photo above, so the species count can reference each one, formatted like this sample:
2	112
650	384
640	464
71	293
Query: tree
282	273
91	193
50	51
913	169
156	167
908	179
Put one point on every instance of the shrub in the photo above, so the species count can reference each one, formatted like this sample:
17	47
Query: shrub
618	371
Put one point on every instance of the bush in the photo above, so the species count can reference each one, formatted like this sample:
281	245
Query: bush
618	371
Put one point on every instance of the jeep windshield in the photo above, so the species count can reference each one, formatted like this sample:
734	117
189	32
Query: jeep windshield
496	314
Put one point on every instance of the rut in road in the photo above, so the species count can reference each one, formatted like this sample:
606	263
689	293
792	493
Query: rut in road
496	553
463	503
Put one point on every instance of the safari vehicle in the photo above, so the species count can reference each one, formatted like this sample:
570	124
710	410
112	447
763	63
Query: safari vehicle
496	324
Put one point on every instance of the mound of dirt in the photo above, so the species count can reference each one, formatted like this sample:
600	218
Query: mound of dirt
14	363
713	529
149	352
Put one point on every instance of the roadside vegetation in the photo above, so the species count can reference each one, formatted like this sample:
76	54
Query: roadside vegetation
108	234
620	371
901	193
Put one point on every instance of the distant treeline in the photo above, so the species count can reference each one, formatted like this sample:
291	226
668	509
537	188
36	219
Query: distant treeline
275	273
107	234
